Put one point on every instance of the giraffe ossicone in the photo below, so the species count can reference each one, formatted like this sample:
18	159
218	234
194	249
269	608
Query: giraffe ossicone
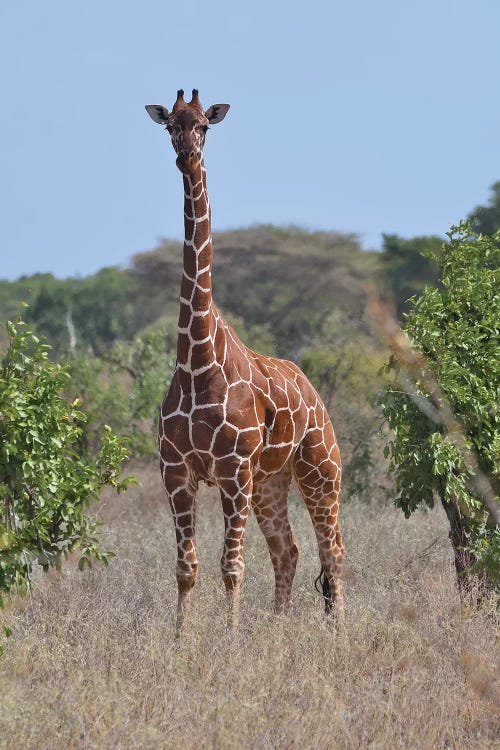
239	420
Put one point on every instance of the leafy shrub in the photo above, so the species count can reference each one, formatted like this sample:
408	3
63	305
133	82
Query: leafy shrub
445	413
46	480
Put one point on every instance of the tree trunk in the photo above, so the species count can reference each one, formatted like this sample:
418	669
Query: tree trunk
464	558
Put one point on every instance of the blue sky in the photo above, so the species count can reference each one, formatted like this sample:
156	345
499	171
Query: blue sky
354	116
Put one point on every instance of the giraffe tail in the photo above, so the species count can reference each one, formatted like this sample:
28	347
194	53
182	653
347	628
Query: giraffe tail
325	590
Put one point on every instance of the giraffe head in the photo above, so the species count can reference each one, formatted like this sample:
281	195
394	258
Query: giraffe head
187	124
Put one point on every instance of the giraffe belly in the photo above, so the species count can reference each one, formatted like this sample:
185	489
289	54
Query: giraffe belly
259	422
208	450
279	447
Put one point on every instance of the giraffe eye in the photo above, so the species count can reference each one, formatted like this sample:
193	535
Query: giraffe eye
205	128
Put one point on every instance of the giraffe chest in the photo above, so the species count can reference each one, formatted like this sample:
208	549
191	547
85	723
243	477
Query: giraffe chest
209	421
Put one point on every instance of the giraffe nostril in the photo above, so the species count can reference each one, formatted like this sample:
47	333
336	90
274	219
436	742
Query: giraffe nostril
189	156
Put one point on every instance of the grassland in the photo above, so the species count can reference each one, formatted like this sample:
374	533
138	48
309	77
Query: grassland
93	663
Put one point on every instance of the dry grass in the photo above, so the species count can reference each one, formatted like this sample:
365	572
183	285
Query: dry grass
93	663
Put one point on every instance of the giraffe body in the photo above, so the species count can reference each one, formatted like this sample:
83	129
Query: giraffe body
236	419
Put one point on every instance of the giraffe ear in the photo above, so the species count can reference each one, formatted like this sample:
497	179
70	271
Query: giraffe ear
216	113
158	113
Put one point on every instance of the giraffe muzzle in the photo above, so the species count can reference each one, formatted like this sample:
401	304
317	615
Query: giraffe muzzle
188	161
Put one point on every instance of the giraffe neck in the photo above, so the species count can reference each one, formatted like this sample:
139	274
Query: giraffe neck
194	346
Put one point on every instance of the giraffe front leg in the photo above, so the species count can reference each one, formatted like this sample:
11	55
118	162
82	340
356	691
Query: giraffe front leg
236	496
182	504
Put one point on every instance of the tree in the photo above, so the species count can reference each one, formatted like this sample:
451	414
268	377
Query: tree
443	403
45	481
486	219
78	313
406	268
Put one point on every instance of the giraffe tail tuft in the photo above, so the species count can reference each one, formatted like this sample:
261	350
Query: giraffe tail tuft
325	590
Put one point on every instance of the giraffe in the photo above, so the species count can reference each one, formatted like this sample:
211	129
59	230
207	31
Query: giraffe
241	421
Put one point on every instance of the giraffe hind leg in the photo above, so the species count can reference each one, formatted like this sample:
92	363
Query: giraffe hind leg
322	586
317	472
270	506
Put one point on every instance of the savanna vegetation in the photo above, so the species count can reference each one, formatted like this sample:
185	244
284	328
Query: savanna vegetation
46	478
89	654
92	662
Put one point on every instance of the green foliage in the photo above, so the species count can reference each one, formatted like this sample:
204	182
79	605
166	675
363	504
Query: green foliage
102	308
348	384
457	328
486	219
407	269
124	388
45	481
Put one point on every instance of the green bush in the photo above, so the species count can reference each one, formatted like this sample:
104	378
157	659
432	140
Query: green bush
46	480
444	403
